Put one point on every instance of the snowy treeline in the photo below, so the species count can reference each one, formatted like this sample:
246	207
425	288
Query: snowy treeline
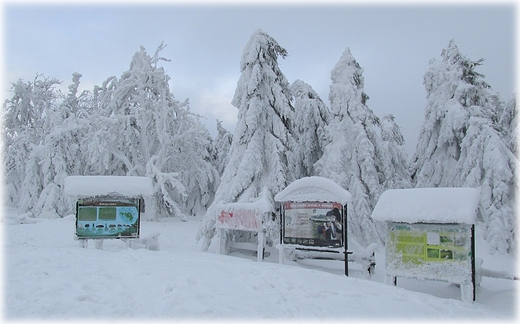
130	125
133	125
349	144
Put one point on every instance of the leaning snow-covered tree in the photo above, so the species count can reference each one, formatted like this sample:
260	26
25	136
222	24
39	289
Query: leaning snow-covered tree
142	130
45	138
61	153
311	116
352	155
23	134
194	164
260	157
461	143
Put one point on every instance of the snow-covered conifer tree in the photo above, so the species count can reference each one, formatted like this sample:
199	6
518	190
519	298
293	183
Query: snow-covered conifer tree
351	156
222	144
486	162
260	160
395	166
461	143
310	119
452	85
194	164
508	121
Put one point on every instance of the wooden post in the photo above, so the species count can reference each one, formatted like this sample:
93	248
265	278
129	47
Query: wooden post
281	250
260	248
473	281
99	244
345	239
83	243
391	280
221	241
281	254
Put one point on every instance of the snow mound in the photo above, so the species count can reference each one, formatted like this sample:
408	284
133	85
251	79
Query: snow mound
314	189
181	284
428	205
87	186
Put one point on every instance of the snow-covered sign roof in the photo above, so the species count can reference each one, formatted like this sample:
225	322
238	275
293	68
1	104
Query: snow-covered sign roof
314	189
89	186
428	205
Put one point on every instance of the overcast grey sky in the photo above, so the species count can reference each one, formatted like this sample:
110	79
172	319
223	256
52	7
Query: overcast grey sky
392	42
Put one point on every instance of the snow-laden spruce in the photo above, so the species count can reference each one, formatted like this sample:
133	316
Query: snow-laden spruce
508	122
355	156
395	166
311	117
221	146
260	158
461	144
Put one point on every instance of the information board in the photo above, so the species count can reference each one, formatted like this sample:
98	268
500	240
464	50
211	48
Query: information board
313	223
240	219
107	218
430	251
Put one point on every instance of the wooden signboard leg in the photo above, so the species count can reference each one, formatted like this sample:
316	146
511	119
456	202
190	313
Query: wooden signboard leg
281	254
260	249
391	280
467	292
99	244
83	243
221	241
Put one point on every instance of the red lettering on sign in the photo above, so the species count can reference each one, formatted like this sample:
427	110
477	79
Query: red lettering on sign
244	219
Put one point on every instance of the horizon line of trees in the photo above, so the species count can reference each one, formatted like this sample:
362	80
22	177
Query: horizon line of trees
134	126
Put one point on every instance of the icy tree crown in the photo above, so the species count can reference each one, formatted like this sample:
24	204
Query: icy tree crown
262	48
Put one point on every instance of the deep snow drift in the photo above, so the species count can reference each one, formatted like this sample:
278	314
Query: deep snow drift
47	276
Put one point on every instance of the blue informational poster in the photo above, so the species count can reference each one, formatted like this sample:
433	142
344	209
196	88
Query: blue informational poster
107	218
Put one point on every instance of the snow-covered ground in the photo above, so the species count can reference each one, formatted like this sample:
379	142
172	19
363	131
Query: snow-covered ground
47	276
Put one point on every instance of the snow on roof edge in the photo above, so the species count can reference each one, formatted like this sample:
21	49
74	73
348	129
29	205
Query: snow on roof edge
314	189
261	205
87	186
428	205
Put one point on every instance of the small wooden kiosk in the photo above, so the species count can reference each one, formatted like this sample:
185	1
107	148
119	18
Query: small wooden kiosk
430	235
108	207
245	217
313	222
